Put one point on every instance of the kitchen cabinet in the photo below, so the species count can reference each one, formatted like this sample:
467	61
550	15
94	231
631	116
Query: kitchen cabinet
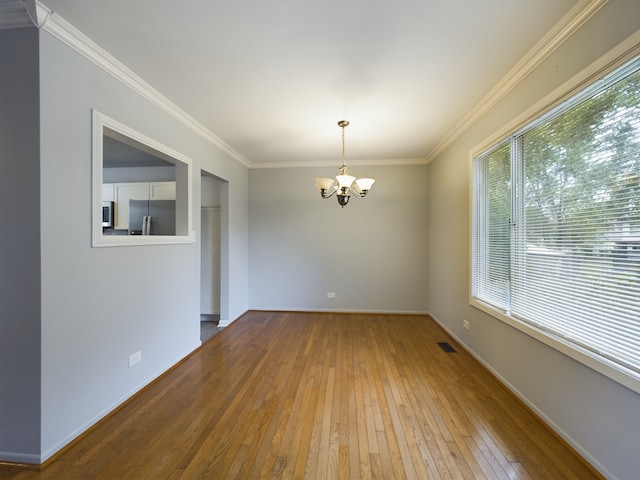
107	192
123	192
162	190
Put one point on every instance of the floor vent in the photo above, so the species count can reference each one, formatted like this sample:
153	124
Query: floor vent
446	347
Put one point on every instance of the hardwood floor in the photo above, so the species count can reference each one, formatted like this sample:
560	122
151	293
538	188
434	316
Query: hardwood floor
315	396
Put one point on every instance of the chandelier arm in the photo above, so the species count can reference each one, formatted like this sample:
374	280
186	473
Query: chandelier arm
358	194
324	195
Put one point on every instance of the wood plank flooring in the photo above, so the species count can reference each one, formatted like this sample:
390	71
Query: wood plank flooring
320	396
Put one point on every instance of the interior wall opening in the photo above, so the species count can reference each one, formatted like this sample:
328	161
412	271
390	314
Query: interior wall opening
212	203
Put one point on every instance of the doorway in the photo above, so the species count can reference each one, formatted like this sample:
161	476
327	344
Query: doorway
210	254
210	263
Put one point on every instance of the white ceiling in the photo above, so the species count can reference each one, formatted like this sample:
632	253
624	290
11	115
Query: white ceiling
272	78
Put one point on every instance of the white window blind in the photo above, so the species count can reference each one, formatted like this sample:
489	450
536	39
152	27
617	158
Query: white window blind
491	267
571	265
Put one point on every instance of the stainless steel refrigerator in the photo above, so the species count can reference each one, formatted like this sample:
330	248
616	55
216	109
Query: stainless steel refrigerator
152	217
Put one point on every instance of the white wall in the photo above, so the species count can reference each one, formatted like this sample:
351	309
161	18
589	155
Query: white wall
598	416
19	247
372	253
100	305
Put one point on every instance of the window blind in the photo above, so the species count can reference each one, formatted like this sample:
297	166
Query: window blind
491	229
571	265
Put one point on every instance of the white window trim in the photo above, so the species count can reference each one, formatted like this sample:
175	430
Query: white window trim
100	122
613	59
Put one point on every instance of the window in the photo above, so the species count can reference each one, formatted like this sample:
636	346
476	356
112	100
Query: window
556	224
117	147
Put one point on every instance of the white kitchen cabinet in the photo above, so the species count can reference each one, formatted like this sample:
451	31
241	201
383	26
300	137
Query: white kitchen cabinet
162	191
107	192
123	192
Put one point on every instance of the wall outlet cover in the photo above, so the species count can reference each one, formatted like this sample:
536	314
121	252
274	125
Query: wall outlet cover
135	358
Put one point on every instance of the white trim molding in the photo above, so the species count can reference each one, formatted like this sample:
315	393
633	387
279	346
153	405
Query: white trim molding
25	13
57	26
524	399
332	163
561	31
614	58
184	224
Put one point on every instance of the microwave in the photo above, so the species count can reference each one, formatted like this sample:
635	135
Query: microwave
107	215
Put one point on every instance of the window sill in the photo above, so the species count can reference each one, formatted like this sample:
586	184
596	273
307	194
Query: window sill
133	240
615	372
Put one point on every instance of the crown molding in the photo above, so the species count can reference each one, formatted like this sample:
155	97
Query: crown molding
27	13
73	38
561	31
611	60
336	163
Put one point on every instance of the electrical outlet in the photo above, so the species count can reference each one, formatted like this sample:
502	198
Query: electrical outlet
134	358
465	323
331	295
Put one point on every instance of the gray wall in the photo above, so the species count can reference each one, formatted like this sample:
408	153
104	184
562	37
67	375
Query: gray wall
211	191
372	253
100	305
19	246
597	415
139	174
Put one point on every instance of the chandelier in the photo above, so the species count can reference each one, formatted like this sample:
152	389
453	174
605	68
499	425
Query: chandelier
347	184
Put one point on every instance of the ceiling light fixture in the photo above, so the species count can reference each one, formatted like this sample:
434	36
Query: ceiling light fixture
347	184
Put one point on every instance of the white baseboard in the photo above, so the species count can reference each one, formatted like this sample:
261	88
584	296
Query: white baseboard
100	415
564	435
322	310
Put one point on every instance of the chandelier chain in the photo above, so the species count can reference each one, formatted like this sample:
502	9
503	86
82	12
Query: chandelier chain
343	145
